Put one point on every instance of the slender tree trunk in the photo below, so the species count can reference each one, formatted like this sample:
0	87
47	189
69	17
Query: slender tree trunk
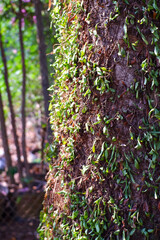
11	108
5	139
43	61
23	92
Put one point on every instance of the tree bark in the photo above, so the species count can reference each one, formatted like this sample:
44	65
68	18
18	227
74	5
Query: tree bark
43	62
11	109
5	139
23	91
104	182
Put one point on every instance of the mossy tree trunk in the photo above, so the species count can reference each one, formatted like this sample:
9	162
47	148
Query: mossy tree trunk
103	181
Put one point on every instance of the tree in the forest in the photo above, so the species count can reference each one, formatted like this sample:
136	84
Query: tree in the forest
20	64
43	62
5	141
13	121
23	106
11	12
104	179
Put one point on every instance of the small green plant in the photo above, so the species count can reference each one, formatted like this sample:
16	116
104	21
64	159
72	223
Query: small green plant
98	200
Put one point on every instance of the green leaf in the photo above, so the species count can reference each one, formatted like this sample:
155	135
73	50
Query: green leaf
117	232
106	154
142	36
74	214
123	52
87	92
87	127
136	164
125	29
85	214
132	232
84	169
84	110
97	202
97	227
83	51
139	145
99	71
104	69
56	10
155	6
105	130
50	107
156	50
93	148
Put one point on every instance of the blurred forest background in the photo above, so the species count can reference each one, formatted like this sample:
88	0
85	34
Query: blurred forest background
26	43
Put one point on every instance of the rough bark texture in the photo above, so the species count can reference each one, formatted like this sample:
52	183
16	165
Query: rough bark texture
11	108
104	179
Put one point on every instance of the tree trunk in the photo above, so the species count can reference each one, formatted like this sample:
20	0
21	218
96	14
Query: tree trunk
43	62
11	108
104	181
5	140
23	91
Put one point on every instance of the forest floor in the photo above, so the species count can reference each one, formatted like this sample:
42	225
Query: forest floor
20	218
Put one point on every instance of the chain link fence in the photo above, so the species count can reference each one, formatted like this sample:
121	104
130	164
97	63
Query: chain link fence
20	209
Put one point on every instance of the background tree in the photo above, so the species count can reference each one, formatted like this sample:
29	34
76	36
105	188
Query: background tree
43	61
5	141
19	61
11	108
23	106
17	55
104	175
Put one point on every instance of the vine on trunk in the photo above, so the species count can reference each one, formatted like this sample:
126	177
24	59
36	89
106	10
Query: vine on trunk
103	181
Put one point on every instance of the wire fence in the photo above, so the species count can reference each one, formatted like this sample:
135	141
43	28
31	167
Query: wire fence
19	211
